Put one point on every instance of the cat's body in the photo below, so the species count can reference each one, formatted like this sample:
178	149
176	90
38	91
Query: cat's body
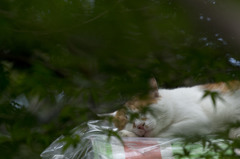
182	111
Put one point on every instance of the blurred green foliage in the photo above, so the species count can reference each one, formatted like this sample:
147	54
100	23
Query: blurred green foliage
98	53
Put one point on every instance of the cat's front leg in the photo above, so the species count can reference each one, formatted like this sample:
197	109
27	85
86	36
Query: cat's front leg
125	133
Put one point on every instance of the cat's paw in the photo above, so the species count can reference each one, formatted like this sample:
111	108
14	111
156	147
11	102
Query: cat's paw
125	133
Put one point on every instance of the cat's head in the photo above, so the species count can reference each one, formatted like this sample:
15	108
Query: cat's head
141	109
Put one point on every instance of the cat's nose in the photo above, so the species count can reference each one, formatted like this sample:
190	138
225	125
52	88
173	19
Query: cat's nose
141	126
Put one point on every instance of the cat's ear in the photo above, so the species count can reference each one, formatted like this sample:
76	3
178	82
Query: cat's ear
153	88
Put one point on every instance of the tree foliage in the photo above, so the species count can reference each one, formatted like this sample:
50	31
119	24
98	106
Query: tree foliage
64	61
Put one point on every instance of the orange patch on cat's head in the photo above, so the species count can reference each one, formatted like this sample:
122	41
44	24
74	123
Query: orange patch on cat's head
120	119
136	104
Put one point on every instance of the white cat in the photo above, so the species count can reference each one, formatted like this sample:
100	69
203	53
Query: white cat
182	111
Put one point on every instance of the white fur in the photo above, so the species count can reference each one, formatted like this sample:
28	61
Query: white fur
183	111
